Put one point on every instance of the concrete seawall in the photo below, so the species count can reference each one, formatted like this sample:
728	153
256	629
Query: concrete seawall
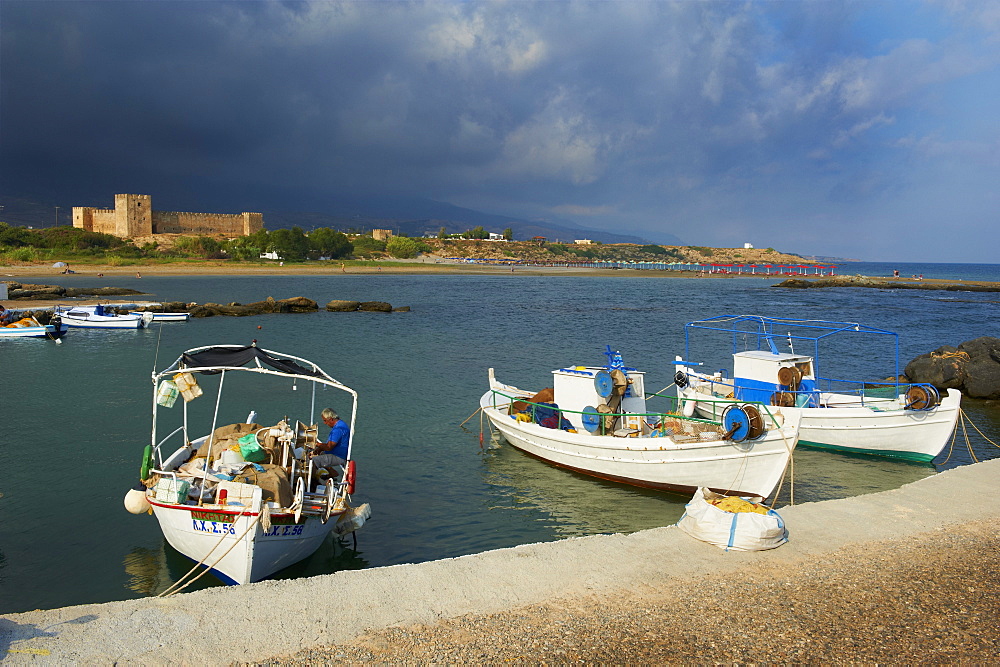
254	622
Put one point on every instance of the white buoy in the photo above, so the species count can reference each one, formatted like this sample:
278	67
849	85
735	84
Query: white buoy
135	500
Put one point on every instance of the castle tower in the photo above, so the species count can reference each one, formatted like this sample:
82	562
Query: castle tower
133	215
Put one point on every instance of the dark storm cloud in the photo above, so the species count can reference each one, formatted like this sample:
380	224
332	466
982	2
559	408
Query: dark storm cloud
718	122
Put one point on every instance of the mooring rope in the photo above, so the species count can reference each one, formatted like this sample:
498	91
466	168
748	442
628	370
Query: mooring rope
173	590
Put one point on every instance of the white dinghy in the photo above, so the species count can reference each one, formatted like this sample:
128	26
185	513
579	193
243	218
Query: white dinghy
98	317
877	417
243	500
595	420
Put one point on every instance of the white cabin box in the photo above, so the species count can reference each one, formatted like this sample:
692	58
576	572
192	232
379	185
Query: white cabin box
574	390
763	366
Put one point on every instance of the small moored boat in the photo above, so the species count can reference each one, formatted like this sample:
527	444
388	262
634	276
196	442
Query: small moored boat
876	417
29	327
595	420
98	317
170	317
242	499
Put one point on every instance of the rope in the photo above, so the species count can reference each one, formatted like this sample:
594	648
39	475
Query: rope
478	410
173	590
968	445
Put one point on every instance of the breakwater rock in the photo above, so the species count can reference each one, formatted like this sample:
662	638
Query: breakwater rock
882	283
29	292
341	306
297	304
973	368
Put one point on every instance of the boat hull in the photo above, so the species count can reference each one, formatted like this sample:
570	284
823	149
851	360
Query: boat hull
171	317
103	323
877	428
251	554
48	331
751	468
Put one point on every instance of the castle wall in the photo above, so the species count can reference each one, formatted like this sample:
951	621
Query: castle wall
133	215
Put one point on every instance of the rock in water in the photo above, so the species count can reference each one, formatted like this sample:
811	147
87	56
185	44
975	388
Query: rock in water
973	367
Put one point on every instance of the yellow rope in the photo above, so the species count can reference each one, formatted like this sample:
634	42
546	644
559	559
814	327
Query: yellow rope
951	445
478	410
968	444
980	432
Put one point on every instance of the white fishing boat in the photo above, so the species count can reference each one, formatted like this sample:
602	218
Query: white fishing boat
29	327
241	499
875	417
595	420
99	317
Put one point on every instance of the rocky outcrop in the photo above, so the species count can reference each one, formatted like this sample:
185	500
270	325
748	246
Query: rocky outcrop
297	304
973	367
29	292
340	306
881	283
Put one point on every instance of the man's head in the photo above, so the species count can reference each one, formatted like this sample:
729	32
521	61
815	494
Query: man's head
329	416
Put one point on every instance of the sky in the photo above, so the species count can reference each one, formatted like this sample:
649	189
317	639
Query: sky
866	130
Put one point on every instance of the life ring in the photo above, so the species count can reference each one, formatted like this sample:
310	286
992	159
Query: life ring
681	379
351	476
147	462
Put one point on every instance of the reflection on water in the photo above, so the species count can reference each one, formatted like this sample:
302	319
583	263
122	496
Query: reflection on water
152	571
147	571
574	504
577	504
821	475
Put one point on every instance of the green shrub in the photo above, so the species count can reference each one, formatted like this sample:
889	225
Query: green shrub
401	247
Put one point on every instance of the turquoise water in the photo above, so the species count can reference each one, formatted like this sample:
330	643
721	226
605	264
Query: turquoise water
76	415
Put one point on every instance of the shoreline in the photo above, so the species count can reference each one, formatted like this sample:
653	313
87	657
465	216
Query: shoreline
905	574
407	267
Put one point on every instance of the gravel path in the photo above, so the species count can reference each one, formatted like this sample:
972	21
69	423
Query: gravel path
931	598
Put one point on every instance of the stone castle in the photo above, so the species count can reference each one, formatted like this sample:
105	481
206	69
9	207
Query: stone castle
133	216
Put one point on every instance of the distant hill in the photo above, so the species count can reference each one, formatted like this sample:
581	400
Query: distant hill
424	217
412	216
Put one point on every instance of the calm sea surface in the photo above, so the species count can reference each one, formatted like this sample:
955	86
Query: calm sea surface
76	416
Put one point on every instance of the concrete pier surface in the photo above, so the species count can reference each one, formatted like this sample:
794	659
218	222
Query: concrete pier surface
908	575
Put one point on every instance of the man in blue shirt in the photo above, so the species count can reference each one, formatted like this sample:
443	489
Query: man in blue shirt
333	452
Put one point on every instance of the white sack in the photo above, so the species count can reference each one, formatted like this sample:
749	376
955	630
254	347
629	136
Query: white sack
732	531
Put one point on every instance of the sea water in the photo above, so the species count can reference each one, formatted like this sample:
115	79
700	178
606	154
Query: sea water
76	416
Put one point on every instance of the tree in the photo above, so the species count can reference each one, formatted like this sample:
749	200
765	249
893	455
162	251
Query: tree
289	243
326	242
401	247
443	233
477	233
508	234
366	245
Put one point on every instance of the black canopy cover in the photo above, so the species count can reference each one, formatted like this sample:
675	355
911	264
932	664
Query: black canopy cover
240	356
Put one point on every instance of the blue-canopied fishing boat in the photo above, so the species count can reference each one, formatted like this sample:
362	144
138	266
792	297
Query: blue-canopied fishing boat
909	421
